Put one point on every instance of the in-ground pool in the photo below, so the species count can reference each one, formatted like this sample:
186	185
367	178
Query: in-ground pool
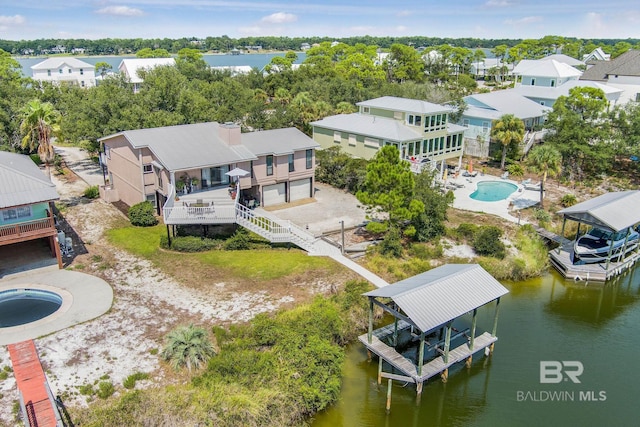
492	191
22	306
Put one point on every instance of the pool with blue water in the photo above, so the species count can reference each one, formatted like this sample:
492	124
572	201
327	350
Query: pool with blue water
493	191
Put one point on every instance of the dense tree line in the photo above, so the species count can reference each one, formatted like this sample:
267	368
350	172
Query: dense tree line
116	46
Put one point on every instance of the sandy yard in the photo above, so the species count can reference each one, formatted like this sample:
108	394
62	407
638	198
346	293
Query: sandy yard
147	304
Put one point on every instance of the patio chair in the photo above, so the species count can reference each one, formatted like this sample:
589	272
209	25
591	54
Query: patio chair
251	204
505	175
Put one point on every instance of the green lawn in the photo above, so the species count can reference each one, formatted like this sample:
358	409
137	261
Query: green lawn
255	264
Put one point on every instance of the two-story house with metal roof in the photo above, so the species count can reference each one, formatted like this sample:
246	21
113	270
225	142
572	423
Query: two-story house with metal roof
420	130
198	163
65	70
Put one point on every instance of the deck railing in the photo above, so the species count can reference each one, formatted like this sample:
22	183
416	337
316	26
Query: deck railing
27	229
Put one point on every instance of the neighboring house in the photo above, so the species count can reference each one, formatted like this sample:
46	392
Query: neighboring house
596	55
622	72
544	72
305	47
27	226
491	67
547	96
482	109
65	70
565	59
234	69
146	164
130	67
419	129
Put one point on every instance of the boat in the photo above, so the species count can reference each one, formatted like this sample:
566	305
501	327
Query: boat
594	246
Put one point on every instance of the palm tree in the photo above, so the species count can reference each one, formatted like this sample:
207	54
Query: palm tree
188	346
546	161
40	121
507	129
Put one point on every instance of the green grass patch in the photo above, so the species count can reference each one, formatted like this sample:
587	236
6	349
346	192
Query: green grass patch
130	381
141	241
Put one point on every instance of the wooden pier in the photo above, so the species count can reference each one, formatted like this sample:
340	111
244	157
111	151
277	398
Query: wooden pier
562	260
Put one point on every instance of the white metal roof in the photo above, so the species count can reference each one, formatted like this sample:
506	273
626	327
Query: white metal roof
393	103
23	182
59	61
130	66
277	141
545	68
507	102
437	296
613	211
554	93
369	125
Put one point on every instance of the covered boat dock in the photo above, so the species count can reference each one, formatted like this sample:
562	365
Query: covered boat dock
617	212
423	341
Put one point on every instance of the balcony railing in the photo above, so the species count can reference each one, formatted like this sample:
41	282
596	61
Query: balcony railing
26	230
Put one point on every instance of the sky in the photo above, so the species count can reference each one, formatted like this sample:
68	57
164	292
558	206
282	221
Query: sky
485	19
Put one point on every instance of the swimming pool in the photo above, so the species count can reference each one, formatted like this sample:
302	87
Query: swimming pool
22	306
493	191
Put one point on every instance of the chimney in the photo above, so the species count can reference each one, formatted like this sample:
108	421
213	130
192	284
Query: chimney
229	133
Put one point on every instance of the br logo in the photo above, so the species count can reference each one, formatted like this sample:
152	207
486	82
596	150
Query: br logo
554	371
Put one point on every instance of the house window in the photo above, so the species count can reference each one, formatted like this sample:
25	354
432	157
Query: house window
533	82
69	70
251	169
81	71
410	119
418	120
553	83
291	163
60	71
82	83
337	136
269	165
638	97
48	72
485	126
465	122
365	110
17	213
371	142
147	168
309	158
151	198
541	102
107	152
352	140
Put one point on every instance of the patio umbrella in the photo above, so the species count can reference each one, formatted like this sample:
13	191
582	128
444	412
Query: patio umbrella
444	177
237	173
470	165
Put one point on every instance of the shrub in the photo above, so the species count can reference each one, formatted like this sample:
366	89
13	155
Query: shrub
375	227
86	390
92	192
487	242
188	346
391	244
426	251
238	242
105	389
541	216
515	170
568	200
142	215
466	231
3	375
130	381
189	244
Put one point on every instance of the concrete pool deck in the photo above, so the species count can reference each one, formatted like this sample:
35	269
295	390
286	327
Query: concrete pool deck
506	208
84	297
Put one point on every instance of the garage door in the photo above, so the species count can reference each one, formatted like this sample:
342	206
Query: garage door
300	189
274	194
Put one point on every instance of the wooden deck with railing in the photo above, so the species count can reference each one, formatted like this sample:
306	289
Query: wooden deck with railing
27	230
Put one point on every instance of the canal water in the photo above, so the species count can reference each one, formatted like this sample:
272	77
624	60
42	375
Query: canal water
541	320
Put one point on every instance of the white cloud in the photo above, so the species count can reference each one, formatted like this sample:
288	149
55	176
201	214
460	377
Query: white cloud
524	21
11	20
499	3
279	18
120	11
401	28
